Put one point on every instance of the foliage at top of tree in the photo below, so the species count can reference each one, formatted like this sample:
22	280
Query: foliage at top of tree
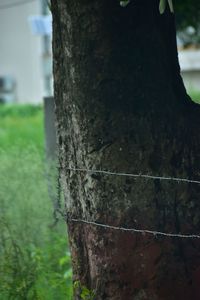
187	13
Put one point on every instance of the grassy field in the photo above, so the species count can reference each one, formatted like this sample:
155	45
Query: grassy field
34	257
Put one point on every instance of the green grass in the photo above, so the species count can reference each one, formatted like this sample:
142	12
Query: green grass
21	126
34	257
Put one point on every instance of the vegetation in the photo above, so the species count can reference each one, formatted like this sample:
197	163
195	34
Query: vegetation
34	258
187	13
195	95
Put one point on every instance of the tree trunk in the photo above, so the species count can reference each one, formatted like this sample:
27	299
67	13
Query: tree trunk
121	106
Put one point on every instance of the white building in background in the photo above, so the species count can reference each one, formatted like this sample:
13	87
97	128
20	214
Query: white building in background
190	68
22	54
25	55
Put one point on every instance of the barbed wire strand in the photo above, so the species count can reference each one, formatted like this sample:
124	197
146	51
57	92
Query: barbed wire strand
133	175
142	231
134	230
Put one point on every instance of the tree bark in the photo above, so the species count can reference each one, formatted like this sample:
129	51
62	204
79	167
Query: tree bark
121	106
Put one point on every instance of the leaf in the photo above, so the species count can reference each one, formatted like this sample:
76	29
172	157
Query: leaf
76	284
124	3
171	6
162	6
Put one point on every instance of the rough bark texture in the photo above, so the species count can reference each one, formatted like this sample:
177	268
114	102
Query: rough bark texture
121	106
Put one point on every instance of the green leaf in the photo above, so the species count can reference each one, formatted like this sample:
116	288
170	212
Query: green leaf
162	6
124	3
171	6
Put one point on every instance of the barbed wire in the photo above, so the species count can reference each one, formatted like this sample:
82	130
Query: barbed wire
133	175
135	230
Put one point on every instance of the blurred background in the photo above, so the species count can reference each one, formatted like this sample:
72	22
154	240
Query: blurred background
26	55
25	48
34	256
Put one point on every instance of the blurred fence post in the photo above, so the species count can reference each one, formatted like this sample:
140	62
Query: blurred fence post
50	129
52	175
